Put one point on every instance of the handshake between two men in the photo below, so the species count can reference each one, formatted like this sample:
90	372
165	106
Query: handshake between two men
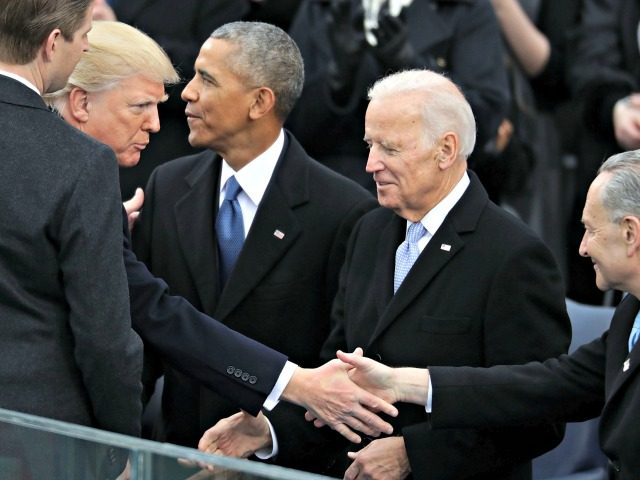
345	406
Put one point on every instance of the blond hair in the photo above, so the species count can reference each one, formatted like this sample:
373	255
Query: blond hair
116	51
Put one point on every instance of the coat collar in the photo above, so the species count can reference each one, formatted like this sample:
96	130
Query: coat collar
447	242
263	247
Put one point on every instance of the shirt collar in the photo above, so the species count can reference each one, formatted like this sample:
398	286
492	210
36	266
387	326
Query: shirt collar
255	176
435	217
22	80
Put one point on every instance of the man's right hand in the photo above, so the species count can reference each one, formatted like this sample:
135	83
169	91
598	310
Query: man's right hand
330	395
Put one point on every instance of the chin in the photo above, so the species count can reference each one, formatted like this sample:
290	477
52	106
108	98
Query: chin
129	162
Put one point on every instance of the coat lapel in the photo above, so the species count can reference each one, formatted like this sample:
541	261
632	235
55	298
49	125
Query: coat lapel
274	229
617	376
441	249
199	248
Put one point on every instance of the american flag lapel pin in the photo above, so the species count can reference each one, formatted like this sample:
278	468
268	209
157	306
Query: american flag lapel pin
278	234
446	247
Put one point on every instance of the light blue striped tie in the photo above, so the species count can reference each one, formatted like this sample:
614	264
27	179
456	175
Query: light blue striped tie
635	332
407	253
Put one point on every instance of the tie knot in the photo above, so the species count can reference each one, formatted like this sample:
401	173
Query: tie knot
415	232
232	189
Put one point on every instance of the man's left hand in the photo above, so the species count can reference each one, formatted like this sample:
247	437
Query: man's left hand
382	459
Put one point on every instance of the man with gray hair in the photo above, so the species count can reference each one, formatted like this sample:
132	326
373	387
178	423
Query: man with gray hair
251	231
439	275
600	378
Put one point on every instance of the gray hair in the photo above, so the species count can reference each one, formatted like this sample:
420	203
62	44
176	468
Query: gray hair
445	108
621	194
116	51
266	56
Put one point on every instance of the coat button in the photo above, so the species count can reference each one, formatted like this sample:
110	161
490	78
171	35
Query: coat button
253	379
231	369
238	373
245	377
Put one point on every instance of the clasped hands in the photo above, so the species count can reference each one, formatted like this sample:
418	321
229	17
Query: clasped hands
345	394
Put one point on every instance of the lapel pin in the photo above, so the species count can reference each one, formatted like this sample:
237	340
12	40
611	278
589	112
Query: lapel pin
626	365
278	234
445	247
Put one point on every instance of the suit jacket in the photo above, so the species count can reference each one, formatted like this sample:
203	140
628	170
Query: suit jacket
196	344
458	37
600	378
281	289
484	291
67	350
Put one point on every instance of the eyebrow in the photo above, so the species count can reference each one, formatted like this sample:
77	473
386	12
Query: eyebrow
206	75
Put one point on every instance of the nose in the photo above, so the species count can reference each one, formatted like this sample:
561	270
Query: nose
582	249
152	123
189	92
373	163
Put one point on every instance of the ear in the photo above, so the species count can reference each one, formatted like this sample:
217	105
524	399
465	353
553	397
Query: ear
51	43
631	230
264	101
78	105
447	153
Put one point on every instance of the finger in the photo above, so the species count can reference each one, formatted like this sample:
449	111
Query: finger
353	359
347	433
368	423
376	404
208	440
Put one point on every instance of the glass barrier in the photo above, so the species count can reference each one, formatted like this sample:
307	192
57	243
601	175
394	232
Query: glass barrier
37	448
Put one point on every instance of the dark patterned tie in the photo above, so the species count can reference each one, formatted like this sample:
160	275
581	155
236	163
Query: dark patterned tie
229	229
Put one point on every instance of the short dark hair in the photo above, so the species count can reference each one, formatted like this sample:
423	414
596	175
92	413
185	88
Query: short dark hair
25	24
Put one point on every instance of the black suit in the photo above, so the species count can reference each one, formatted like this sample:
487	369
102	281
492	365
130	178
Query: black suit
281	289
67	350
591	381
484	291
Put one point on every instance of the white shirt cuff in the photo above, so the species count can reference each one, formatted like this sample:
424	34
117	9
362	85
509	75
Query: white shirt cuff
265	453
428	405
283	380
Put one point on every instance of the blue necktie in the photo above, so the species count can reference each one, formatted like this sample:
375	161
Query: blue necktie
229	229
407	253
635	332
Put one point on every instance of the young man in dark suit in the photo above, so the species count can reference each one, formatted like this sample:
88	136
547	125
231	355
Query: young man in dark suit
67	349
295	215
482	290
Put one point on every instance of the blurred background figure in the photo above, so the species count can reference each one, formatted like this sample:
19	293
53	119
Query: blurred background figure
455	37
605	75
530	169
180	28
